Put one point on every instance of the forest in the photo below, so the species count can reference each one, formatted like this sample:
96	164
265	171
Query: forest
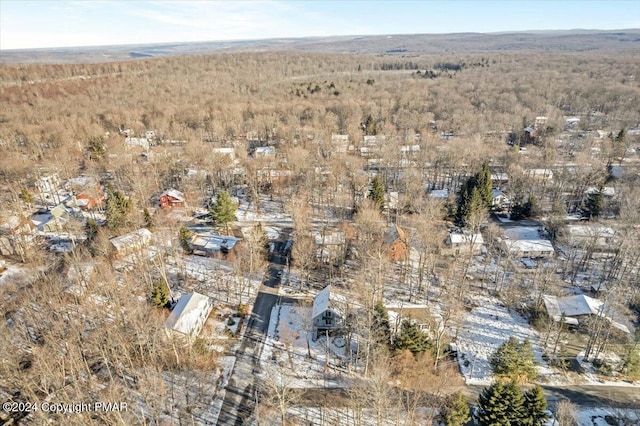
341	147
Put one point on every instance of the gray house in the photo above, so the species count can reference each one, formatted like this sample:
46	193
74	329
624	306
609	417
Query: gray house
323	317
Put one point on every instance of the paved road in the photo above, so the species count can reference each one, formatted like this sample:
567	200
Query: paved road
239	401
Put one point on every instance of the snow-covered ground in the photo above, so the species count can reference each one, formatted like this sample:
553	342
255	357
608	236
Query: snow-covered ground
591	376
285	351
485	328
599	416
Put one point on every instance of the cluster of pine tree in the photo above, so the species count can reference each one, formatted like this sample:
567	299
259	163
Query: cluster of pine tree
506	404
476	194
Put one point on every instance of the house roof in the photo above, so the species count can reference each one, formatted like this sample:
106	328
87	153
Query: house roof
185	315
210	242
330	238
607	191
393	234
466	238
174	193
265	150
526	239
439	193
140	237
321	302
575	306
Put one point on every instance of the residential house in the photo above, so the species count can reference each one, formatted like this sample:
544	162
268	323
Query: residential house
188	316
131	243
542	175
324	318
48	184
397	243
499	200
15	235
210	244
464	242
499	179
331	245
171	198
340	143
137	142
596	237
265	152
526	241
576	309
225	152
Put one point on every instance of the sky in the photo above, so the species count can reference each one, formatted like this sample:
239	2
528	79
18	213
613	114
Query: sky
46	23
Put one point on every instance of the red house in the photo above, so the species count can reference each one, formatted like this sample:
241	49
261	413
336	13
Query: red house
90	199
171	198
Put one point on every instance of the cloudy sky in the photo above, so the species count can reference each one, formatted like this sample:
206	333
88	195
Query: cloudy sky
36	24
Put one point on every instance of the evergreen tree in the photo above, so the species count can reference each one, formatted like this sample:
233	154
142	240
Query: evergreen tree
535	405
97	148
412	338
369	125
26	196
376	193
117	209
184	235
501	404
148	219
160	294
381	326
514	359
456	410
223	211
483	179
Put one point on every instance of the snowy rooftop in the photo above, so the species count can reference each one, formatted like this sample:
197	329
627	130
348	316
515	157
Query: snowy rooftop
188	312
439	193
587	231
140	237
466	238
574	306
265	150
213	242
526	239
393	234
173	193
607	191
321	302
329	238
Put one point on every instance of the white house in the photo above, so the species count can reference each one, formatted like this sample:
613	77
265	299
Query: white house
265	152
575	308
526	241
132	242
188	316
498	199
463	242
323	317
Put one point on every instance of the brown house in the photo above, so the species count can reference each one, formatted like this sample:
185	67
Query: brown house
397	243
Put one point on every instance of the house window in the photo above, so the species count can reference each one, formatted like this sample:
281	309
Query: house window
328	321
327	314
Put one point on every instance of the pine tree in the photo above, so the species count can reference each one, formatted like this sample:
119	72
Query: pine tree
376	193
26	196
184	235
412	338
160	294
456	410
148	219
535	405
501	404
223	211
514	359
118	207
484	185
381	326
